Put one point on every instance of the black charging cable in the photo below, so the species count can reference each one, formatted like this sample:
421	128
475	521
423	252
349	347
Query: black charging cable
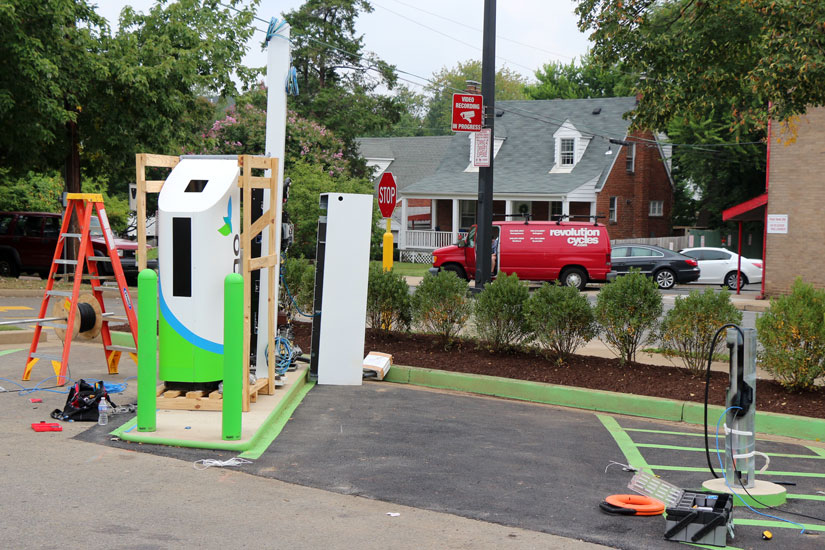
707	386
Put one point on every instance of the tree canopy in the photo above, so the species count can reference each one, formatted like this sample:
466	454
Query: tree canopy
726	56
557	80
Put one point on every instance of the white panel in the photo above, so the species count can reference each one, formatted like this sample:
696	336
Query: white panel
277	70
344	302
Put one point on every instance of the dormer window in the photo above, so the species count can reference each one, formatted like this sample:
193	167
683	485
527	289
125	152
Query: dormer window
568	147
568	152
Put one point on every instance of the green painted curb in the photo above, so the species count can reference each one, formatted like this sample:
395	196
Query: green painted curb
568	396
253	448
658	408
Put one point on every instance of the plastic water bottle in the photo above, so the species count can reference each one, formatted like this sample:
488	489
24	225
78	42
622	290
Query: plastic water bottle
103	412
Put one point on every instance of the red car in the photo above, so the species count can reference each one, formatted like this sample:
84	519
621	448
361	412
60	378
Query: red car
28	241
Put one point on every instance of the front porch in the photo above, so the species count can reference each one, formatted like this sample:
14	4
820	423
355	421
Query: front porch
424	229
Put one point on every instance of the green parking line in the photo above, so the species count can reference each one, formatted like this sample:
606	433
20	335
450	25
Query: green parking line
808	497
626	445
8	351
702	450
780	524
691	434
767	473
711	547
818	450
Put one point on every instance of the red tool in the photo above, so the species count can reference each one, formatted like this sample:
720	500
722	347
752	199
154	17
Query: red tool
43	426
35	400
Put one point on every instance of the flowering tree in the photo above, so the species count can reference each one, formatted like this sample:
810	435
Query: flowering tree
242	130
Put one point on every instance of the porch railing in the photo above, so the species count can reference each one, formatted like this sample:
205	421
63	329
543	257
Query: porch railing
425	240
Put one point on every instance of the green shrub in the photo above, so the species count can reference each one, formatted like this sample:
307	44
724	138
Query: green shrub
560	318
298	284
627	311
792	334
688	328
388	300
499	312
440	304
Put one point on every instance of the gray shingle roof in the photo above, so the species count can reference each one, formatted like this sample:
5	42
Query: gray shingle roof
524	161
415	157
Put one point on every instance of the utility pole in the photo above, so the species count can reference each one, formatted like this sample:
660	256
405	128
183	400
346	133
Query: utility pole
485	174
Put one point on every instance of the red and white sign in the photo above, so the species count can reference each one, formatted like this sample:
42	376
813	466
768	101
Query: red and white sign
387	194
481	148
777	223
468	110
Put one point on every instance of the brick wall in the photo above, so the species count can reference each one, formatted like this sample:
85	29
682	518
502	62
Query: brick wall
797	188
634	191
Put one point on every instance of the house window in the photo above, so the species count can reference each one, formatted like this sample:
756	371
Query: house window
555	210
630	159
568	151
656	208
467	214
613	207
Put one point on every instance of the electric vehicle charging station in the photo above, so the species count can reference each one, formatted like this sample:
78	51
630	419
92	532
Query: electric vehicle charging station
739	426
199	245
340	299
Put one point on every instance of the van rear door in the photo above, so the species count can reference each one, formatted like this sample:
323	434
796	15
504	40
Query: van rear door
524	250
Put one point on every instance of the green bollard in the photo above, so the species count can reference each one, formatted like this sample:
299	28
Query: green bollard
147	350
232	357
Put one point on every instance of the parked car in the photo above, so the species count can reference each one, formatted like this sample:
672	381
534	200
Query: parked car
572	252
666	267
718	266
28	241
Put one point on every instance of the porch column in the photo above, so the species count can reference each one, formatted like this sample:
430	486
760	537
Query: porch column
404	225
508	209
433	214
593	210
565	207
455	220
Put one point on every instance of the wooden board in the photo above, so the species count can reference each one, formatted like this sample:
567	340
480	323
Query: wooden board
198	400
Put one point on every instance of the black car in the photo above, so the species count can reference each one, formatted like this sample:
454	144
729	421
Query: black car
665	266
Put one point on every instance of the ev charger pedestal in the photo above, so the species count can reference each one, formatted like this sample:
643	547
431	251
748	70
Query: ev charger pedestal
199	245
740	433
340	303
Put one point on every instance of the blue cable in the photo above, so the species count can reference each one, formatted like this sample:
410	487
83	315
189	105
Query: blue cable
285	355
724	475
25	391
275	26
289	295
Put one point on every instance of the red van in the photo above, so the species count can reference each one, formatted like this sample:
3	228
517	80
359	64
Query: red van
575	253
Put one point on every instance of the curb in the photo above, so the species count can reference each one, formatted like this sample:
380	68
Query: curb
21	337
799	427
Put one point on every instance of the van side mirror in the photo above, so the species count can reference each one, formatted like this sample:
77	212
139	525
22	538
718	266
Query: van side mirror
461	243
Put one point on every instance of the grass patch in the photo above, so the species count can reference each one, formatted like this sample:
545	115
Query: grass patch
724	357
4	328
406	269
152	254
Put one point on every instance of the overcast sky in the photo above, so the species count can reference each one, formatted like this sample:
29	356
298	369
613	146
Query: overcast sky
423	36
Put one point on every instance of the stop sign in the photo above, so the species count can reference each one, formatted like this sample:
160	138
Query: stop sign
387	194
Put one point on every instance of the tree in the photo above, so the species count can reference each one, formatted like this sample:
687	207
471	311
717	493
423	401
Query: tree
559	81
338	81
69	91
303	209
49	59
443	84
731	57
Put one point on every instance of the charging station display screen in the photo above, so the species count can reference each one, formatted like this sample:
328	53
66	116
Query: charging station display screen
182	257
196	186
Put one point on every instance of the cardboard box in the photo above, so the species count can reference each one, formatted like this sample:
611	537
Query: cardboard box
378	362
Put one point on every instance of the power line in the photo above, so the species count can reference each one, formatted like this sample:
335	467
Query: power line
515	110
478	30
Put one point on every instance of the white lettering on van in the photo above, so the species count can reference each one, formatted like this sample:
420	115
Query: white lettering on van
581	236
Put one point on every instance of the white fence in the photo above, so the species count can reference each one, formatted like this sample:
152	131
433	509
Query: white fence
671	243
425	240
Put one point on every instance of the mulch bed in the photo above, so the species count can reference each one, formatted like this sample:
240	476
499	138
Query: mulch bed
584	371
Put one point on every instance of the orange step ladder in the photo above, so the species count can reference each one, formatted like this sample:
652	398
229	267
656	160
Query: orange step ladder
89	310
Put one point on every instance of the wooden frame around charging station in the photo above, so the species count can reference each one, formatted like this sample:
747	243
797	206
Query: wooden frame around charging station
247	182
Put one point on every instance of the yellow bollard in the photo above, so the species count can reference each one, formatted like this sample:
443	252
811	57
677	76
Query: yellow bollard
387	257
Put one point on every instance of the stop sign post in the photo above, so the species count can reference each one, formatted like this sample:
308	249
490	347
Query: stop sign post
387	198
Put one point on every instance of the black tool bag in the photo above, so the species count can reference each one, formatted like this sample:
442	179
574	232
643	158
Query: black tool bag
82	402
